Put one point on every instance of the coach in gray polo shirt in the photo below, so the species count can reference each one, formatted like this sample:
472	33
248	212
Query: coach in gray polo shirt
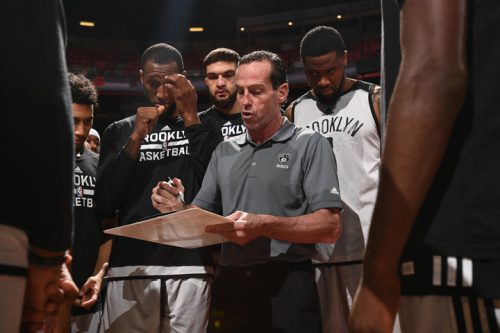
279	184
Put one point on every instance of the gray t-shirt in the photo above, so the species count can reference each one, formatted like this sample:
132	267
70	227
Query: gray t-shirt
293	173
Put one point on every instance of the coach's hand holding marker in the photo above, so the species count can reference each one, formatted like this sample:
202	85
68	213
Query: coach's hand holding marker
168	196
180	196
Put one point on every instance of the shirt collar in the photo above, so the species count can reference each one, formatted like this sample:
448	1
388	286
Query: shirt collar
284	133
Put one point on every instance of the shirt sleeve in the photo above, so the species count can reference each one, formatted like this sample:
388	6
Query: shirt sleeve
116	169
321	184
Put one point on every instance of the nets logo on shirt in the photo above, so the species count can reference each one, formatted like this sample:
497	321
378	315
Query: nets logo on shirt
79	191
283	160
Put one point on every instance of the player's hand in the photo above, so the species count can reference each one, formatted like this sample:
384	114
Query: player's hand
46	289
374	310
184	96
246	227
61	322
146	119
164	196
89	293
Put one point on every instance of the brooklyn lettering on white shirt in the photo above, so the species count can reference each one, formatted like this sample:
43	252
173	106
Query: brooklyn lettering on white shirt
331	124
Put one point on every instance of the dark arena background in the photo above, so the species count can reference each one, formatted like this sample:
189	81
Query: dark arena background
109	51
107	38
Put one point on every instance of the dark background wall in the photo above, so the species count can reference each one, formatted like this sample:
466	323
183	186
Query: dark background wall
109	52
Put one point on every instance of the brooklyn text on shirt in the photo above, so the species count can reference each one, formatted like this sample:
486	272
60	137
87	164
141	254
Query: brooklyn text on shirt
329	124
166	143
83	191
229	130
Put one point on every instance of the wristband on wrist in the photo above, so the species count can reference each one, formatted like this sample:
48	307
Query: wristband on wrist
53	261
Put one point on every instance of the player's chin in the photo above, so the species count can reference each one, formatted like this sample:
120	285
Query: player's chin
327	94
223	102
79	145
222	99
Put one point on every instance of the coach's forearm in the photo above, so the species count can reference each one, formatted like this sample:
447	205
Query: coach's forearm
321	226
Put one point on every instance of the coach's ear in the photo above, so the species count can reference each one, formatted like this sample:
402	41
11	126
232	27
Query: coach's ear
283	90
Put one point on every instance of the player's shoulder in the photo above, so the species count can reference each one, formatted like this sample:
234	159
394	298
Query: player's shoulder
92	155
305	97
206	112
125	122
292	107
88	159
366	86
118	129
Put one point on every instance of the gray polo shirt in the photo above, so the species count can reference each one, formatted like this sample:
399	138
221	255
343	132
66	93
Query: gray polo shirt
291	174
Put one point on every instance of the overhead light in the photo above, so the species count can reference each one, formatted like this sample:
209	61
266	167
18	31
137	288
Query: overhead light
87	24
339	17
242	29
196	29
290	23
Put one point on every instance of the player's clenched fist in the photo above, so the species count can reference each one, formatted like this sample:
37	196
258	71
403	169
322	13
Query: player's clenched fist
146	118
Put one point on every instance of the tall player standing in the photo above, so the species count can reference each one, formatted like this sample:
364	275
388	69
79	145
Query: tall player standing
346	112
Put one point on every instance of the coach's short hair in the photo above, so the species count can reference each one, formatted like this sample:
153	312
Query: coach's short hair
278	71
82	90
221	54
162	53
321	40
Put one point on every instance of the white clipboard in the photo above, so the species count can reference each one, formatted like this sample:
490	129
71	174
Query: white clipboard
184	228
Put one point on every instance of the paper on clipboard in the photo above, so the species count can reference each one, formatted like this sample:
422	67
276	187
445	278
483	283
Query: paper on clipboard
185	228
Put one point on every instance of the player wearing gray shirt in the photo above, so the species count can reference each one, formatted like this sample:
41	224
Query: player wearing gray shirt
268	182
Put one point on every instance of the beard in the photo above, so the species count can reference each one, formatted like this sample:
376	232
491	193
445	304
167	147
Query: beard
330	100
327	104
224	103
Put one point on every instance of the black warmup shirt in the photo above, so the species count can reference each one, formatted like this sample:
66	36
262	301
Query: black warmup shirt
170	150
230	125
87	234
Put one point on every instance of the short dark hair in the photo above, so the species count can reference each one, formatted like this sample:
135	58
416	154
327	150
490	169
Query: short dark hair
278	71
221	54
321	40
82	90
162	53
